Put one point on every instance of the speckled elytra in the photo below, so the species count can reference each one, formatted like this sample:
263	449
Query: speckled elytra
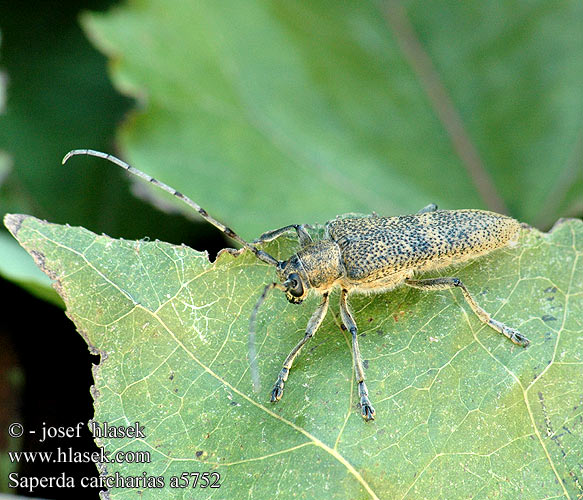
366	255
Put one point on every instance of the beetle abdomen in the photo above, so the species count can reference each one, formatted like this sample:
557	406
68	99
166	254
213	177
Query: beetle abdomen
376	247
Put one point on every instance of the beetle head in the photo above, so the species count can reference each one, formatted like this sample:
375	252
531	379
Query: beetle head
293	278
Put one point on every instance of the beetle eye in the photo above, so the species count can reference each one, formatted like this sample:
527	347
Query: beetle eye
295	285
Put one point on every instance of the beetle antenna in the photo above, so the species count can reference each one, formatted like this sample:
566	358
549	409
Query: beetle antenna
252	323
260	254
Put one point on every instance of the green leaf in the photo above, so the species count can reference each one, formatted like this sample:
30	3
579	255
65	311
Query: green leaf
461	412
323	108
58	96
18	267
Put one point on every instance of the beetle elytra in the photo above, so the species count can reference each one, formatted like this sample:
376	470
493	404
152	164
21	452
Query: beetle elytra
366	255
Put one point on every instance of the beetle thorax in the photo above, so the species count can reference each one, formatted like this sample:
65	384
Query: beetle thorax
322	264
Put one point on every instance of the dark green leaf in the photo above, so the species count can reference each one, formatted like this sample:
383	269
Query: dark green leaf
319	108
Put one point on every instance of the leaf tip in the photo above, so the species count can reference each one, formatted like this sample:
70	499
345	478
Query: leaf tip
13	222
562	221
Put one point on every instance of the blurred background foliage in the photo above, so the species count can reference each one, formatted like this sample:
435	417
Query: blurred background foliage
269	113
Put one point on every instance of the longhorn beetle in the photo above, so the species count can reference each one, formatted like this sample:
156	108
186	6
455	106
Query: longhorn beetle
366	255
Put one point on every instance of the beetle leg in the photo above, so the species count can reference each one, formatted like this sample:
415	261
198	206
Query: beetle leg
444	283
366	408
303	235
313	325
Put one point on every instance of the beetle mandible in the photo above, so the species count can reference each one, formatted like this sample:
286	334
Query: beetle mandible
366	255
